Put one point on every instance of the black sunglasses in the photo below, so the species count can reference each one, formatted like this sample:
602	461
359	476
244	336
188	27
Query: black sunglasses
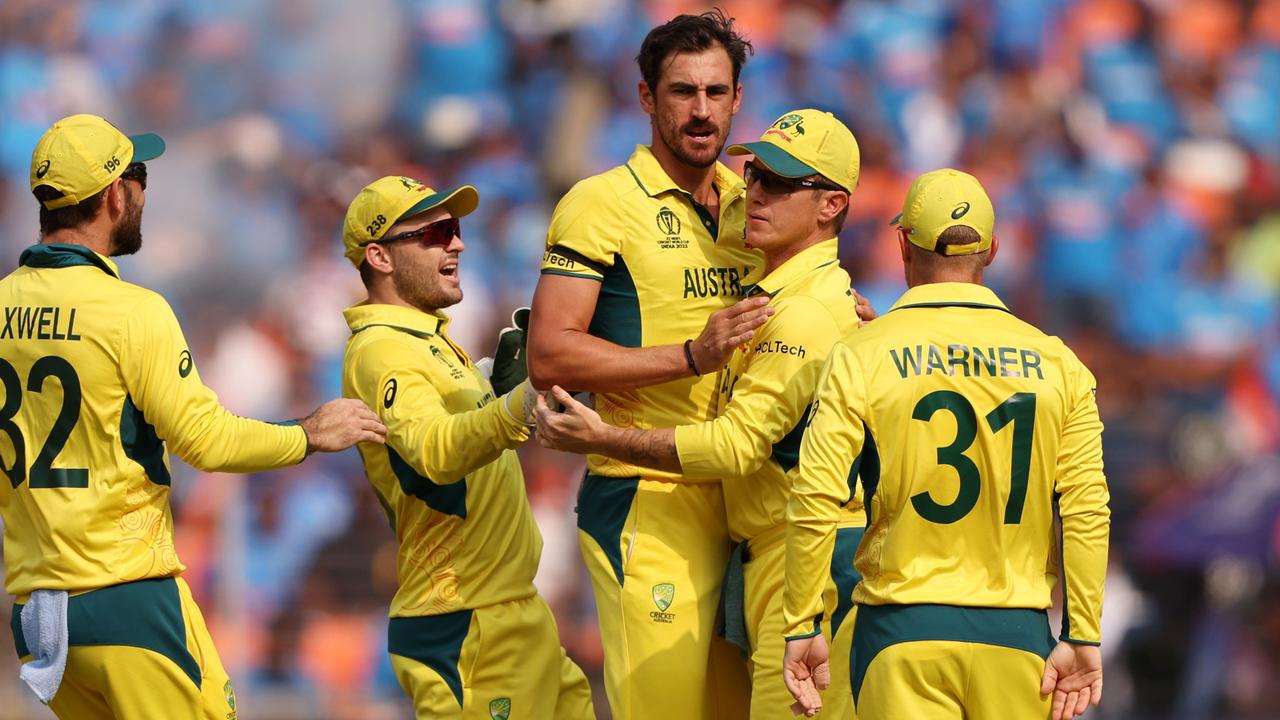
440	232
774	184
136	171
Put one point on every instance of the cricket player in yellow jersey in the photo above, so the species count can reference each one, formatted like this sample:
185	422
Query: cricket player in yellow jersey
469	636
798	190
96	378
637	260
973	432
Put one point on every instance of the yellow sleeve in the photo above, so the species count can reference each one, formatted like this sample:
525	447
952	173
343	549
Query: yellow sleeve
1081	488
586	231
767	401
828	461
164	384
440	446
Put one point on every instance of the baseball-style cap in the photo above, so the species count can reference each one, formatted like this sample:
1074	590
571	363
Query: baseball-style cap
82	154
944	198
807	142
388	200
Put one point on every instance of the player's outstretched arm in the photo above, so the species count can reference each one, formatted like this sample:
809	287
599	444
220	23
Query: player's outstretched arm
563	352
579	429
1073	674
806	672
340	424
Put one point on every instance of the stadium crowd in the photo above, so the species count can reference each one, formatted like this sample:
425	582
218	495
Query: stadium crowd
1130	148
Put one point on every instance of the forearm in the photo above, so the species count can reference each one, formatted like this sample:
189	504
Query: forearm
1085	538
579	361
215	440
647	448
447	447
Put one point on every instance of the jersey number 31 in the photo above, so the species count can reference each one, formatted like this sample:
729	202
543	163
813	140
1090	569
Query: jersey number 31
1020	409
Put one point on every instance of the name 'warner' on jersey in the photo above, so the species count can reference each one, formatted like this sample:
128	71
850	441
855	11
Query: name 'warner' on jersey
447	477
96	379
970	428
664	264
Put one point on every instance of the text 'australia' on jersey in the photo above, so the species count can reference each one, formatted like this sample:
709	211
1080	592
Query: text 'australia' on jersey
664	264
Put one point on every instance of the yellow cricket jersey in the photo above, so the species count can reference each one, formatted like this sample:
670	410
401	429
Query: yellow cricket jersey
97	378
765	392
447	477
971	430
664	264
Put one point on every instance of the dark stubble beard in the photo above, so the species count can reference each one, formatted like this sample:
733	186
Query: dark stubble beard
421	288
126	238
672	136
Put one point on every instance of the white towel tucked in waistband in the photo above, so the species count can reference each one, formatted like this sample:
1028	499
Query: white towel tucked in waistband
44	628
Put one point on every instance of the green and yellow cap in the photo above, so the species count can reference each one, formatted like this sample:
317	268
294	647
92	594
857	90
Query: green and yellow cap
807	142
945	198
80	155
388	200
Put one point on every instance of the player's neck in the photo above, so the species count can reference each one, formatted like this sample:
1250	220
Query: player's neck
774	258
698	182
942	276
87	235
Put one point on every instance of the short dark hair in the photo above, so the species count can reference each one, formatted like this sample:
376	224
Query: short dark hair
64	218
366	274
956	235
691	33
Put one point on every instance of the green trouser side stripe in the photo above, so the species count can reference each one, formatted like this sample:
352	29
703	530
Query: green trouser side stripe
433	640
448	499
617	315
880	626
145	614
843	573
603	506
141	444
786	452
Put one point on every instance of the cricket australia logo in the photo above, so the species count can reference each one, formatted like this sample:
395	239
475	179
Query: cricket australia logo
500	709
669	225
410	183
663	595
788	127
230	695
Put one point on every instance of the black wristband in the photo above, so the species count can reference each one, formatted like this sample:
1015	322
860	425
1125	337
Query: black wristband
688	356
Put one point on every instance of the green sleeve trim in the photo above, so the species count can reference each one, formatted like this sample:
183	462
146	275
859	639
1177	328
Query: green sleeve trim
571	274
306	439
817	630
1074	641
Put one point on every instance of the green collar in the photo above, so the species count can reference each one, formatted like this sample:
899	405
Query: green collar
59	255
949	294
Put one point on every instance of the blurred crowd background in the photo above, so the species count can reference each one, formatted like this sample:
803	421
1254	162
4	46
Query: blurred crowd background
1132	149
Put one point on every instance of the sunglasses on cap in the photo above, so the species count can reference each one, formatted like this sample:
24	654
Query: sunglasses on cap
440	232
136	172
775	184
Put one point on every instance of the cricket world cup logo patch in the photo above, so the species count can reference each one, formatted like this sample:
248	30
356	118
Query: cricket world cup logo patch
669	225
500	709
663	595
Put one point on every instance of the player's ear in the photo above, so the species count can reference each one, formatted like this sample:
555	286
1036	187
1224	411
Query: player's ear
991	254
378	258
737	99
646	98
116	198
